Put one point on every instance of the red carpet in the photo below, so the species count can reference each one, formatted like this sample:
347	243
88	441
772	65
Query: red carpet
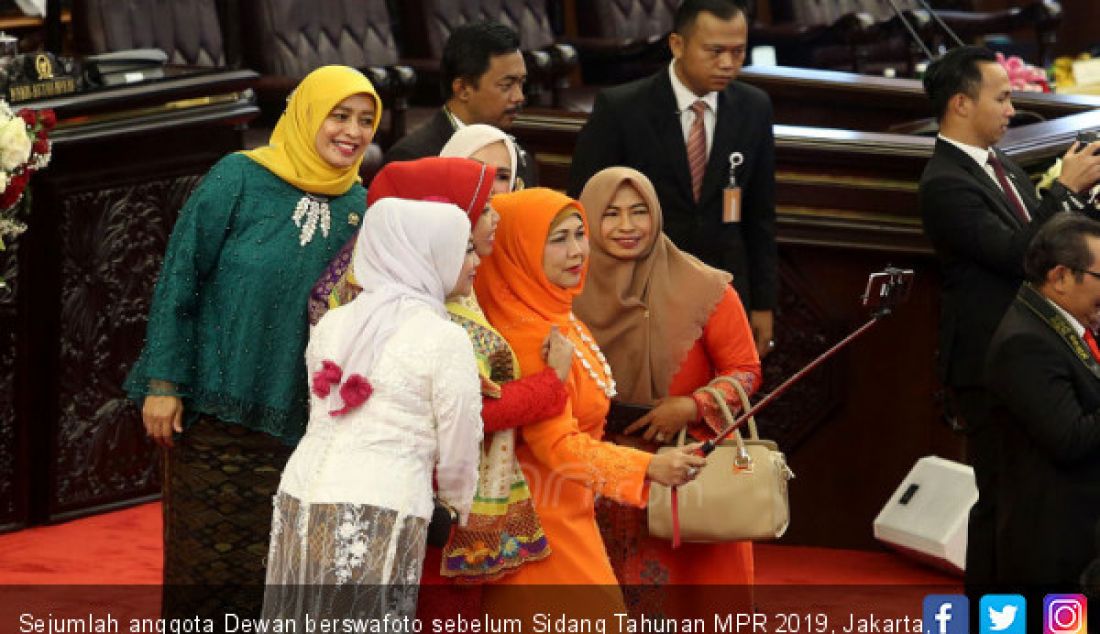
109	554
110	565
124	547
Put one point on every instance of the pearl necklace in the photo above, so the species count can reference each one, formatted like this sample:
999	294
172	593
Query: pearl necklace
607	387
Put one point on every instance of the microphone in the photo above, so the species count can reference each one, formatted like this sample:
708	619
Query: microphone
909	27
943	25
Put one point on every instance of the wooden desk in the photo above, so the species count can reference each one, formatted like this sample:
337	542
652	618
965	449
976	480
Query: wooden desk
82	275
846	206
831	99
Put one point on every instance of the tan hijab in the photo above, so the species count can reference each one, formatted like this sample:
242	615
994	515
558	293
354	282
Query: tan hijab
648	312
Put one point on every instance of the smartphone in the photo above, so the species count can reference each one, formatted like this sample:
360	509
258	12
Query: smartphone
1085	137
888	288
622	415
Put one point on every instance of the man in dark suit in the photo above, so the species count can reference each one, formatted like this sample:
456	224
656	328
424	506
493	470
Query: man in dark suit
980	211
482	74
679	127
1044	381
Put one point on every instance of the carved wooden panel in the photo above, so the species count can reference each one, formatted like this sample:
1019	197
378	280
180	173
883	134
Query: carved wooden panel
8	440
112	244
804	329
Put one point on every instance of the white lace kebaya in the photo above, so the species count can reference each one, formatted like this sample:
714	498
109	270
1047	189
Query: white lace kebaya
351	515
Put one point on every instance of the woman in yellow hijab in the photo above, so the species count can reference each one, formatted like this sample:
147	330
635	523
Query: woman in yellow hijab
222	380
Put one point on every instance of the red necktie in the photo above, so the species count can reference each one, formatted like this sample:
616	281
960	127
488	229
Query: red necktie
697	148
1010	193
1089	339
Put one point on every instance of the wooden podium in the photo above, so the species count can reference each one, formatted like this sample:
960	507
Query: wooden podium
73	321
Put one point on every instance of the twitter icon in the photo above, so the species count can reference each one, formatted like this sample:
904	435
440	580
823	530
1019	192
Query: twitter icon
1003	613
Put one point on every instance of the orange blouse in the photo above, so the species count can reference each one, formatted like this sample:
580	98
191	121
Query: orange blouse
566	463
726	348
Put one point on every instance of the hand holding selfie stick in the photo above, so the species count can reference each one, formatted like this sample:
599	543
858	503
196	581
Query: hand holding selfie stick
885	290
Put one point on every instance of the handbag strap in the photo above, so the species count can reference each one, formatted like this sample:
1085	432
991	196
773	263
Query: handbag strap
742	459
675	499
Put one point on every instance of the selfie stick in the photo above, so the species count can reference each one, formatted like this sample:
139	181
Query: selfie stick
887	307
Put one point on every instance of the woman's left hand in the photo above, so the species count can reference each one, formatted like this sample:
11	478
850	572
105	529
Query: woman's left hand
666	419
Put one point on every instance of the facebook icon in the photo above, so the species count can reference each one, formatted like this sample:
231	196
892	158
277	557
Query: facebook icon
946	614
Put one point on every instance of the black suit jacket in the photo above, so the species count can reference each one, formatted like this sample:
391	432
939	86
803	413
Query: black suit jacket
1046	409
637	125
980	243
429	139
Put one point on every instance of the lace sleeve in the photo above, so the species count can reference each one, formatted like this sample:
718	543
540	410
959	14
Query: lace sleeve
193	252
456	407
524	401
727	338
608	469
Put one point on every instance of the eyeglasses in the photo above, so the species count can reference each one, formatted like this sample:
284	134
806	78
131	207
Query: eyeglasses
1092	273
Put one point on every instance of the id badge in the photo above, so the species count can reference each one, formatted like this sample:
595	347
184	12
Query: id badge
731	195
731	204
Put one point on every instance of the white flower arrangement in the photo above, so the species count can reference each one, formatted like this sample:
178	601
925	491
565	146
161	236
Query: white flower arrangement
24	149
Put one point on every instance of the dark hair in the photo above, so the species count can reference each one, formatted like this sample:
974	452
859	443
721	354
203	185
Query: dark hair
1060	241
688	10
956	72
467	51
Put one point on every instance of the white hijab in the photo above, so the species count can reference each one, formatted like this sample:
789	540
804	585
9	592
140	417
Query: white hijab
469	139
407	252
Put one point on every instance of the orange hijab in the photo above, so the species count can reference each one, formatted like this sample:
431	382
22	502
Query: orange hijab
511	286
646	313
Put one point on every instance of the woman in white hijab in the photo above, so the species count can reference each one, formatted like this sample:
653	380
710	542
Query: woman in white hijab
490	146
394	397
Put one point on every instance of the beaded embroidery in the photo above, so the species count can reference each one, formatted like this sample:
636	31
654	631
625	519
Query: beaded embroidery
308	213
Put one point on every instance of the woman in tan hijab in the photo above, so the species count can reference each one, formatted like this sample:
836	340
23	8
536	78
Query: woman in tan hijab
668	324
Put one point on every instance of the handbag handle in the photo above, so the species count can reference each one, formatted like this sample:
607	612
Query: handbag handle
740	389
742	460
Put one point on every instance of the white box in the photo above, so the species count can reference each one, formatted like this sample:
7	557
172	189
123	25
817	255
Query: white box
927	515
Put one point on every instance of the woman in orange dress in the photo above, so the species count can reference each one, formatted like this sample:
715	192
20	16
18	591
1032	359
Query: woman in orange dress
526	288
669	324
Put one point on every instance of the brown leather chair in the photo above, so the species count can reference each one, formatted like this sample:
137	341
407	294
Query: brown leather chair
426	25
189	31
863	35
284	40
620	40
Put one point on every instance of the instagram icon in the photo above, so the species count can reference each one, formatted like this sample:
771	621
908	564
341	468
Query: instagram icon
1065	614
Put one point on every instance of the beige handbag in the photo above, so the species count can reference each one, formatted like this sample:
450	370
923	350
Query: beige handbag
740	495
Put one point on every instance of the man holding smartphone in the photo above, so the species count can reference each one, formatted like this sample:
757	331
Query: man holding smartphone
980	211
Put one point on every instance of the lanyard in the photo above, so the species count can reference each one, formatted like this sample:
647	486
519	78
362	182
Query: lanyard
1039	305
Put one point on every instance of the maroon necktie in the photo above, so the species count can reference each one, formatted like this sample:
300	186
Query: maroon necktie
697	148
1010	193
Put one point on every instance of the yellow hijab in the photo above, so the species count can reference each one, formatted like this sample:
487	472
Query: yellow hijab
291	154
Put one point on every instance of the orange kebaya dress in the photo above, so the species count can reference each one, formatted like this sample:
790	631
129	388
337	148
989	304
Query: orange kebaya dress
563	457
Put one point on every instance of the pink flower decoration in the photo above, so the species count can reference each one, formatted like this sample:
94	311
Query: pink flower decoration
355	391
1024	76
323	379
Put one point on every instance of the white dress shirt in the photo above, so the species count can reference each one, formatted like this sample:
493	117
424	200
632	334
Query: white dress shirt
1078	327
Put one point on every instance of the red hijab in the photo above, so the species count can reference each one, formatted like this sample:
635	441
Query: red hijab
463	182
